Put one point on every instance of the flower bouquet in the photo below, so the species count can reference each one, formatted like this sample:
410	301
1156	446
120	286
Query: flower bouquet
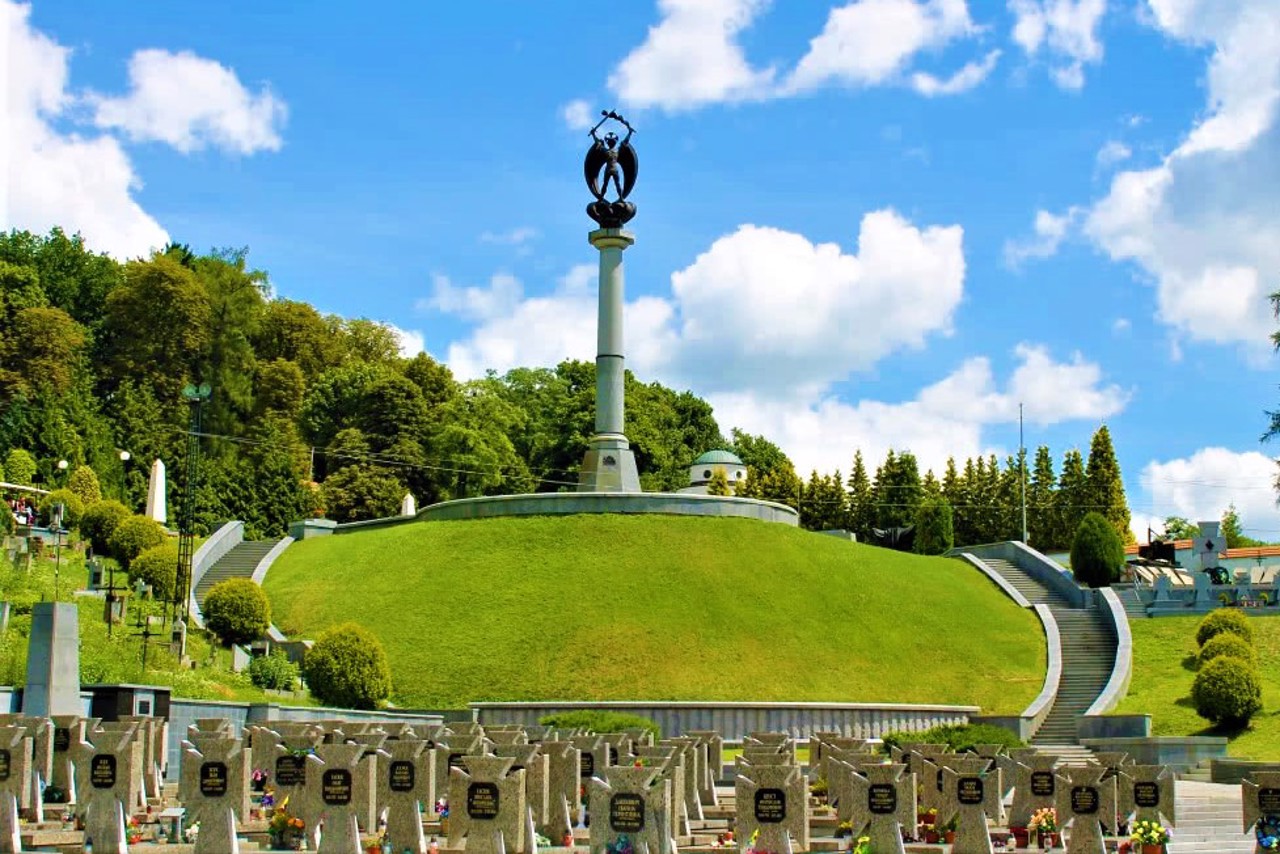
1044	823
1267	832
285	830
1150	833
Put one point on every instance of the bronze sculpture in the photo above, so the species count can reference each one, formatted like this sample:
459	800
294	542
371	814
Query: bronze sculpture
611	159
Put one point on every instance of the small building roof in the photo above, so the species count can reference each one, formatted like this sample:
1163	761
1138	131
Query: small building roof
722	457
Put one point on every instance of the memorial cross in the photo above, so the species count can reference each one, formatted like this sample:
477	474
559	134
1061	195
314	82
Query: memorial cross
1085	799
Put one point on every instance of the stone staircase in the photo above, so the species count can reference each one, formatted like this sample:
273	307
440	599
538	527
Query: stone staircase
1088	651
240	562
1208	820
1134	607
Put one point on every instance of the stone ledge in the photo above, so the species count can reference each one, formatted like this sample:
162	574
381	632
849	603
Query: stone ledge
571	503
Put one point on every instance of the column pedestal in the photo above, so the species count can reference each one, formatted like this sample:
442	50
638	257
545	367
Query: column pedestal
609	465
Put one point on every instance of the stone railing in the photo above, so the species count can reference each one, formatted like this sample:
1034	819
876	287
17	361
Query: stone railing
1040	706
1039	567
1112	611
735	720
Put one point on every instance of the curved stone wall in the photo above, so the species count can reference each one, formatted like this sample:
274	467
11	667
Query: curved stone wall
568	503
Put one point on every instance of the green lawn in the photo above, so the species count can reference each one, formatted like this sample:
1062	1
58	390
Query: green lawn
1163	669
660	608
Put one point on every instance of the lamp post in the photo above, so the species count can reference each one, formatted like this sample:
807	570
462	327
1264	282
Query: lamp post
62	472
125	456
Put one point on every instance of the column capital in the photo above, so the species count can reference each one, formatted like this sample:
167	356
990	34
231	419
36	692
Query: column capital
611	238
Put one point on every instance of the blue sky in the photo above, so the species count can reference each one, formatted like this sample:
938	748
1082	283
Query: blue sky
873	224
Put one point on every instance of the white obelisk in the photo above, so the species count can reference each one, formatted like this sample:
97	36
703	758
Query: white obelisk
610	465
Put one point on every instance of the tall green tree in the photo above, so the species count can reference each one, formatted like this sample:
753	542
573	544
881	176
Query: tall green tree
860	502
1232	531
1106	487
1074	496
1041	497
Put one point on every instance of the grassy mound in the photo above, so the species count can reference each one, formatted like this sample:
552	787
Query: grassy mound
1164	661
660	608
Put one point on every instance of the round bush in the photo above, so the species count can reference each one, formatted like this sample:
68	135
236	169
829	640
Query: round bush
1226	644
73	507
275	672
1227	691
237	611
157	566
1097	554
134	536
1224	620
347	667
84	482
99	522
20	467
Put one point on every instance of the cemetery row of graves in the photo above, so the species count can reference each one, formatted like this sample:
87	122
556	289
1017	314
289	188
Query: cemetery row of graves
69	783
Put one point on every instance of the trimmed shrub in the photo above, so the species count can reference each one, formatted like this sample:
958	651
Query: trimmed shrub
73	507
84	483
157	566
347	667
237	611
1227	691
1226	644
99	522
598	720
1097	553
275	672
133	536
20	467
959	737
934	531
1224	620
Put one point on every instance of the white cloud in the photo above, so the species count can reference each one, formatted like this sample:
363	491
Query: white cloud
1066	29
411	341
1050	230
474	303
968	77
944	419
542	331
518	236
190	102
1203	224
1121	325
1200	488
692	57
1114	152
768	309
868	42
577	115
56	178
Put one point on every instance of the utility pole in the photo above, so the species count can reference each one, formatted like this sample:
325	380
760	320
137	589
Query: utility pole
1022	464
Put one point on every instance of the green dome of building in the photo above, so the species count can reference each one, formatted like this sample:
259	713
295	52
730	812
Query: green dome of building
727	458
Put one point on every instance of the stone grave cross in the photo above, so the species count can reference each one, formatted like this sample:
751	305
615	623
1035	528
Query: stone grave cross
40	731
971	795
1085	799
1146	792
403	785
104	772
1260	799
562	788
331	791
773	802
215	789
15	782
486	805
533	762
631	803
883	803
1008	764
68	731
1036	787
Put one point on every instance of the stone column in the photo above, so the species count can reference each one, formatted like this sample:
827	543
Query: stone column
610	466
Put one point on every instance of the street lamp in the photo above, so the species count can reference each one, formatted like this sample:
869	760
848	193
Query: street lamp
62	472
125	456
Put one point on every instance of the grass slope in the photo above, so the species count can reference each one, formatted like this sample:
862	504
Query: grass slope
660	608
1164	651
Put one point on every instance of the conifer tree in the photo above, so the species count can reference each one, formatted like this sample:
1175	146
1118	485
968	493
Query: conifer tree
1041	492
962	506
1073	500
1106	487
861	512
